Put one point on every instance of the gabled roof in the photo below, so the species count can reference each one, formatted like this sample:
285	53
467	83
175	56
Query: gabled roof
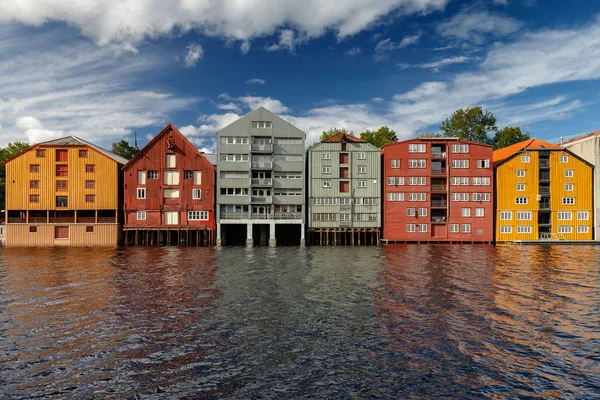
74	141
151	143
261	114
582	137
508	151
342	137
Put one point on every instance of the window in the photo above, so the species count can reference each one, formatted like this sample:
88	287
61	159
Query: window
197	177
520	173
90	168
187	174
362	169
395	163
141	215
171	177
171	158
564	159
466	228
422	228
61	186
565	229
583	215
234	192
460	148
520	187
568	200
460	196
395	196
34	198
361	155
62	155
568	187
483	164
83	153
525	158
422	212
262	124
454	228
152	174
362	184
234	140
141	193
506	215
466	212
32	229
417	197
198	215
235	157
410	228
40	153
522	200
89	229
61	232
565	215
460	163
583	229
141	177
34	168
523	215
417	148
62	170
461	180
417	164
62	201
481	181
568	173
480	212
171	217
411	212
395	180
171	193
345	217
34	184
288	141
326	155
90	184
326	184
90	198
421	180
284	157
481	197
326	170
506	229
196	194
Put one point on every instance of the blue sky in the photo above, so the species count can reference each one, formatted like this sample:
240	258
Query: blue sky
101	69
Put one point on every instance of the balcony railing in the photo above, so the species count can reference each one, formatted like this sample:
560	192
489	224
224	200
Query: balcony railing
438	155
438	171
235	215
86	220
277	215
262	199
262	182
107	220
37	220
13	220
439	203
62	220
438	188
266	148
544	190
262	164
438	220
544	163
345	223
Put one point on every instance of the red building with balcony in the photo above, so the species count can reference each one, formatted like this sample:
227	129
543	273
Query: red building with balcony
169	193
438	190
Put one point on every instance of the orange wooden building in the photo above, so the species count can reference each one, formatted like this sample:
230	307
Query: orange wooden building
169	193
64	192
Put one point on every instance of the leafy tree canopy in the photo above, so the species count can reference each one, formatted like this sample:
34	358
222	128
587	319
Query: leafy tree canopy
380	137
334	131
7	152
124	149
471	124
508	136
430	135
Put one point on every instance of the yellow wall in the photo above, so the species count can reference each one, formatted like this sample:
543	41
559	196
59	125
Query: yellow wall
103	235
106	176
506	192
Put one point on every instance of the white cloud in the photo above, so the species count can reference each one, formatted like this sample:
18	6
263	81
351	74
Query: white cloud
436	65
273	105
245	47
353	51
228	107
386	46
288	40
193	53
473	25
257	81
377	100
403	66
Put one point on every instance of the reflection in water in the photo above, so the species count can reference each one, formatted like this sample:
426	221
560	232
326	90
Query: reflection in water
390	322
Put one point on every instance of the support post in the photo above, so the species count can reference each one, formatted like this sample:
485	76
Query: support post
272	239
249	241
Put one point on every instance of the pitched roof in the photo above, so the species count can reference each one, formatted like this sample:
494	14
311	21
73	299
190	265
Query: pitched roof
508	151
342	137
581	137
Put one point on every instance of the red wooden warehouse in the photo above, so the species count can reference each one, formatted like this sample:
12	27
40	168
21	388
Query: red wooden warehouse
438	190
169	193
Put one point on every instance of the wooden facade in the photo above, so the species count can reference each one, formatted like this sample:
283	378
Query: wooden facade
437	190
543	192
64	192
169	193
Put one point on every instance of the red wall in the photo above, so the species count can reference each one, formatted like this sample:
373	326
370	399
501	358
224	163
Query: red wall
394	212
153	157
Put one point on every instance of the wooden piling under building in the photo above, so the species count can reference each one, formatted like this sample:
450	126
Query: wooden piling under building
343	236
192	236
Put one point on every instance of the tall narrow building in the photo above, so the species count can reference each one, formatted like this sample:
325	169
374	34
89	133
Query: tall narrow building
260	181
438	190
344	191
542	192
169	193
64	192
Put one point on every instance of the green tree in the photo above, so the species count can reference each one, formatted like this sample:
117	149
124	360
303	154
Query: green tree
430	135
124	149
334	131
380	137
7	152
509	135
471	124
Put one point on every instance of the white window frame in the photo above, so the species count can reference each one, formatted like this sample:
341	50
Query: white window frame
326	155
411	228
524	229
141	193
569	173
506	215
480	212
520	173
197	216
564	215
583	215
569	187
524	215
568	201
521	200
326	170
563	159
466	212
422	212
361	155
196	194
564	229
525	158
152	174
362	184
465	228
396	163
171	161
197	176
422	228
520	187
141	216
362	169
583	229
411	212
141	177
454	228
506	229
327	184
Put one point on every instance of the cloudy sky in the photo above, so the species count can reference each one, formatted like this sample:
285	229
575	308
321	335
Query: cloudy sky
101	69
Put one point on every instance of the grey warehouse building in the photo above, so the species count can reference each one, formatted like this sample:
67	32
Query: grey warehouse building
260	181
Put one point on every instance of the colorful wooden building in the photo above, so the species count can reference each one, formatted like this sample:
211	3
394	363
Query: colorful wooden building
169	193
64	192
543	191
437	190
344	191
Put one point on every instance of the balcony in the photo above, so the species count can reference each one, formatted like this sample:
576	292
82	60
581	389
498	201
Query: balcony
235	215
107	220
544	163
544	206
438	188
345	223
439	203
438	220
262	199
438	171
262	148
62	220
261	165
13	220
37	220
438	155
544	190
277	216
262	182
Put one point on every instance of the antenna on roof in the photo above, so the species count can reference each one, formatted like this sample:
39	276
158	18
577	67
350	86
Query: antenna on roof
135	146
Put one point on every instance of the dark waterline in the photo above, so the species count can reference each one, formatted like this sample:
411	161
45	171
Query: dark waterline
243	323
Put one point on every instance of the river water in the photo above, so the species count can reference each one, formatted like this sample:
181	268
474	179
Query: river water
287	322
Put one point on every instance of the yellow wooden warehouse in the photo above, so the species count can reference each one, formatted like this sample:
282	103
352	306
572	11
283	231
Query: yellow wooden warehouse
543	192
64	192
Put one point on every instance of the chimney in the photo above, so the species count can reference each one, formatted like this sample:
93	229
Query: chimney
561	141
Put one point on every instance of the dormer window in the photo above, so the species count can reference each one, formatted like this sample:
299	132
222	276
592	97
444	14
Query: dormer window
262	124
